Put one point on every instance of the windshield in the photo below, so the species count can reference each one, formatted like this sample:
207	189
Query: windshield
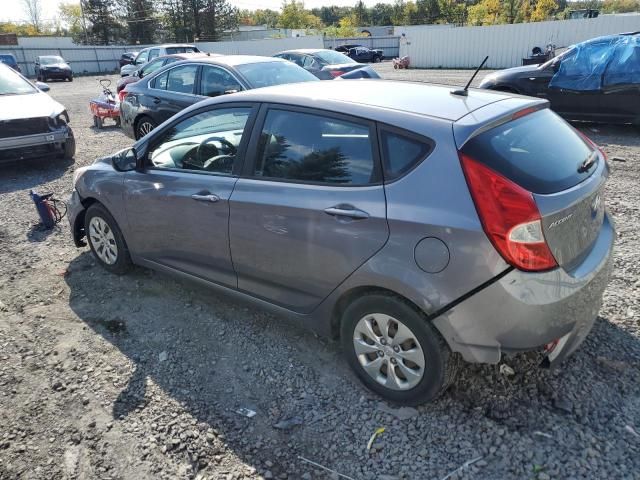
50	60
265	74
13	84
333	58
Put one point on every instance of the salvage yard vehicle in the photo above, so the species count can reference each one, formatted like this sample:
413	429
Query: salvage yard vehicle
154	65
360	53
149	102
52	67
32	124
324	64
10	60
466	224
597	80
147	54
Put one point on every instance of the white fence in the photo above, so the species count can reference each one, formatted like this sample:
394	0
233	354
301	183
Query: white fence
388	44
506	45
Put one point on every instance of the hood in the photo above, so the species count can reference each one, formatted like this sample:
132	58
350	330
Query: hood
28	106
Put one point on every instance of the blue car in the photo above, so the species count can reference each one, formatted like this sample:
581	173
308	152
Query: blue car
10	60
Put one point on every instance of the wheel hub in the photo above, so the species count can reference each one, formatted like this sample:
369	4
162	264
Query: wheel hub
388	351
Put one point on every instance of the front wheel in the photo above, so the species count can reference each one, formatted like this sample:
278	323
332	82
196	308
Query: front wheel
105	240
70	146
376	59
395	351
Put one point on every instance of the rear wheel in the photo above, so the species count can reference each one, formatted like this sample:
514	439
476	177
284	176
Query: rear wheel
395	351
105	240
144	126
376	59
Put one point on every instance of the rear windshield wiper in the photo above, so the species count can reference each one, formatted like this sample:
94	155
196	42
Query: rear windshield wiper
588	162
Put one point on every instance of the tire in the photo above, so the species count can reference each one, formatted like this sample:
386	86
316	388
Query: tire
422	341
376	59
70	146
71	79
143	126
395	66
103	231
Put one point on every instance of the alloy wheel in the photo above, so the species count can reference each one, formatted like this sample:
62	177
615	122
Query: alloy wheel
144	128
103	240
388	351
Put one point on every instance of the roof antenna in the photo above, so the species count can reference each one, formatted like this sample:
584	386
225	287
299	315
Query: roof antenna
464	92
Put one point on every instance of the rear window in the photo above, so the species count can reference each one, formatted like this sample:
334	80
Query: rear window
174	50
540	152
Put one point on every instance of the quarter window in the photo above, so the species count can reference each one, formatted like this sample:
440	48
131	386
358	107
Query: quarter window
207	142
142	57
312	148
401	153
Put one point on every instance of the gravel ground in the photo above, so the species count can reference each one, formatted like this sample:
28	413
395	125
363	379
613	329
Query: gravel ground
139	377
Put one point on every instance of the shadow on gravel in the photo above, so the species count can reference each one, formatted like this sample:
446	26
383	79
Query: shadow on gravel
38	233
214	356
31	174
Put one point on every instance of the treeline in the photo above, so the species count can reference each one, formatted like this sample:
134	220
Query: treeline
108	22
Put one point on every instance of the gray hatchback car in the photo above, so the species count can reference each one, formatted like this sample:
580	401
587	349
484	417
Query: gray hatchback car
414	224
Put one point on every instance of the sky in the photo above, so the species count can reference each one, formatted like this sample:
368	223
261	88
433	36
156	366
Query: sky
12	10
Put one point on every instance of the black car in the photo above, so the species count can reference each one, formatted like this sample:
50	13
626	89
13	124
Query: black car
324	64
597	80
360	53
52	67
157	97
127	58
10	60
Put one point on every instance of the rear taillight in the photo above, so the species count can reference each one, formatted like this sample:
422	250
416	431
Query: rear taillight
509	216
336	73
121	94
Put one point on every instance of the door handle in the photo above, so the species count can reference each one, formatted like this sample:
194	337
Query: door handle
209	197
346	211
156	100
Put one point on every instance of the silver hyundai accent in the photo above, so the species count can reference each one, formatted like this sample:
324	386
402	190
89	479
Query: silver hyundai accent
415	224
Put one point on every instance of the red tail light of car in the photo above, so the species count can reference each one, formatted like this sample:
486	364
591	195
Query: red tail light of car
509	216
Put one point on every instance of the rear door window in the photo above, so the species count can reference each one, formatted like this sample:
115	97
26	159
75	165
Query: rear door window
215	81
539	151
304	147
181	79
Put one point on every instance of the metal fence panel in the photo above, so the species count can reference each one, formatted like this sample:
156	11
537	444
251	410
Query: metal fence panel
506	45
266	47
389	45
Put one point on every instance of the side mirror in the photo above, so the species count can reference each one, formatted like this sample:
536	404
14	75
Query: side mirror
125	160
43	87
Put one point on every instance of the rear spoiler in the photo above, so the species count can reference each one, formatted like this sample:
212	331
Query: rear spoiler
493	114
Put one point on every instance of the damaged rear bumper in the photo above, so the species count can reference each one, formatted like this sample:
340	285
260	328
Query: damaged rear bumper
525	311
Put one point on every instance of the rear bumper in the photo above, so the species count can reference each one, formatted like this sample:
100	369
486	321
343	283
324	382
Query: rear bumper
524	311
127	119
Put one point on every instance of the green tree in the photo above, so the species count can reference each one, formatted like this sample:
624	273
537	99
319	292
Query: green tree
103	27
543	10
266	17
382	14
621	6
139	17
487	12
71	16
295	16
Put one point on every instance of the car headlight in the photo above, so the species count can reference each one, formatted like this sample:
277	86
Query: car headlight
59	120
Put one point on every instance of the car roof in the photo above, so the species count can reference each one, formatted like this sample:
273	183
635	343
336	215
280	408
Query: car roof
305	50
190	55
410	97
232	60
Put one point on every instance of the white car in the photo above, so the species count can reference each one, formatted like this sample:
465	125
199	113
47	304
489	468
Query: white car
32	124
147	54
